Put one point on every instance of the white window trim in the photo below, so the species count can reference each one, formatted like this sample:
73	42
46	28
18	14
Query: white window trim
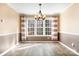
35	30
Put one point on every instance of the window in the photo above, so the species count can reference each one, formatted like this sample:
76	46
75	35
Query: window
38	27
47	23
30	27
47	27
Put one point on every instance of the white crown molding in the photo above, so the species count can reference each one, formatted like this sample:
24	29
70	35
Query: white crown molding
12	7
69	33
67	7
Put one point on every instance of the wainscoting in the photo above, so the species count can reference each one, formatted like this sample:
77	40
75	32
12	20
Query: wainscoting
7	41
70	40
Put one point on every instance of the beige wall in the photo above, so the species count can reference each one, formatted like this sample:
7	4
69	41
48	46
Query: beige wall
10	18
69	19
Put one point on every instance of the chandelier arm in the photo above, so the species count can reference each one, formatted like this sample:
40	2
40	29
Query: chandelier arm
40	6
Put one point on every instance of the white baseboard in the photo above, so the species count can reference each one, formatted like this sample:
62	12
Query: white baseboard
39	44
7	50
69	48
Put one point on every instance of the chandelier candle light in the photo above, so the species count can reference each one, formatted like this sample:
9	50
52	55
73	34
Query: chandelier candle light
40	15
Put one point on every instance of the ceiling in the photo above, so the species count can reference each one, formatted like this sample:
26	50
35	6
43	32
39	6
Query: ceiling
33	8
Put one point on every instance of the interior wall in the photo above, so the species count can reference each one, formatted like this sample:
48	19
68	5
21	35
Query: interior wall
9	27
69	29
70	19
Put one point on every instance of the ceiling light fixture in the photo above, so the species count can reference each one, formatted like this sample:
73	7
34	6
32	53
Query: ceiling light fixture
40	16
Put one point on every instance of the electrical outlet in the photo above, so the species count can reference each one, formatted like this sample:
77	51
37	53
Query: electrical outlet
1	20
73	45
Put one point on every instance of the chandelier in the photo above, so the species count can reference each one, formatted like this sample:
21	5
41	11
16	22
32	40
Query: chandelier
40	15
